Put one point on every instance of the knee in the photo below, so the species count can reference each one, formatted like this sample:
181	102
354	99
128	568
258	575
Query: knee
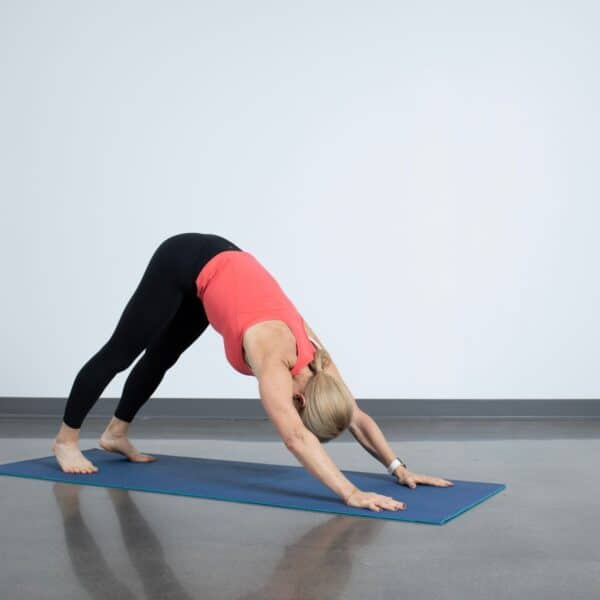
121	363
160	360
117	357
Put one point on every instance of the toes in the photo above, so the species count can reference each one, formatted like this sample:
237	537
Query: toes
141	458
81	469
81	466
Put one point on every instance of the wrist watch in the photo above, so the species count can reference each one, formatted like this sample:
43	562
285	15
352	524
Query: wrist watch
395	464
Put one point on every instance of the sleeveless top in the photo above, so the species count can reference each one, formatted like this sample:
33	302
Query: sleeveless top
237	292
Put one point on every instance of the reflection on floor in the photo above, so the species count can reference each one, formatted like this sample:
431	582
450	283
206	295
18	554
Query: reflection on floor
537	539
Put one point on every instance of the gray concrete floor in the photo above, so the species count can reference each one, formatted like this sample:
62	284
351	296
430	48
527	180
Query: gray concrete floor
537	539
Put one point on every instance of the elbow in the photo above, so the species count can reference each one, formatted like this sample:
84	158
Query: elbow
292	442
294	439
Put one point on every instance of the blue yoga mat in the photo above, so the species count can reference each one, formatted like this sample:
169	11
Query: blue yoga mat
261	483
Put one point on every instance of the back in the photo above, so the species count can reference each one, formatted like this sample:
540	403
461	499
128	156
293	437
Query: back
237	291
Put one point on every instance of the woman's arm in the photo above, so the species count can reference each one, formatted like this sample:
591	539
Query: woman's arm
368	434
371	438
276	389
364	429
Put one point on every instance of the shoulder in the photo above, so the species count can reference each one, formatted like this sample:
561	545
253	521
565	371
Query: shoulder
269	342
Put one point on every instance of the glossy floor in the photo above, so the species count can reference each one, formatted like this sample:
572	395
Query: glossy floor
536	540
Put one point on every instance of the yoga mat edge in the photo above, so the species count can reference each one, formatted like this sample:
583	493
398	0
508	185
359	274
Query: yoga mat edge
61	477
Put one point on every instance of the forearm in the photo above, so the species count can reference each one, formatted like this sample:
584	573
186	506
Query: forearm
371	438
311	454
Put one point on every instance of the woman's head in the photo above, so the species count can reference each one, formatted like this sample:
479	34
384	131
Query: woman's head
327	410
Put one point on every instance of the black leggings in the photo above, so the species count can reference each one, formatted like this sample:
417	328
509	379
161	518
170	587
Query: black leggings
163	317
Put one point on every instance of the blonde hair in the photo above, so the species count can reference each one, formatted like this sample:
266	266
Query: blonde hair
328	409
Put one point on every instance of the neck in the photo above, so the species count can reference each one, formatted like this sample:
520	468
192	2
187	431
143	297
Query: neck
302	375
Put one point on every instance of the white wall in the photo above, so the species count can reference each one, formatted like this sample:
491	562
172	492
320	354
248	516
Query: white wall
421	178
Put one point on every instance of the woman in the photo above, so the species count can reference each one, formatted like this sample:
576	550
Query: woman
194	279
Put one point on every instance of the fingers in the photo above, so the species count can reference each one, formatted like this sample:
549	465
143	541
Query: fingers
438	482
373	501
427	480
386	503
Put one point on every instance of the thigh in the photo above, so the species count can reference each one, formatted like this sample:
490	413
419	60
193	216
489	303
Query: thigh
183	329
152	306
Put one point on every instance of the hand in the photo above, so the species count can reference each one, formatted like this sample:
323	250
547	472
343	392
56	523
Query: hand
373	501
405	477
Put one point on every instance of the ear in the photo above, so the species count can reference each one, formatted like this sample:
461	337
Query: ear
301	399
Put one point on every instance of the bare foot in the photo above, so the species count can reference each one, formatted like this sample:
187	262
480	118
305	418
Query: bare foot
121	444
70	458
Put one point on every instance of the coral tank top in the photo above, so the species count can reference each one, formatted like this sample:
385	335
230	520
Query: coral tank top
237	292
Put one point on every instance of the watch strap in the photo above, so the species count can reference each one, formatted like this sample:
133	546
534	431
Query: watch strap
397	462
